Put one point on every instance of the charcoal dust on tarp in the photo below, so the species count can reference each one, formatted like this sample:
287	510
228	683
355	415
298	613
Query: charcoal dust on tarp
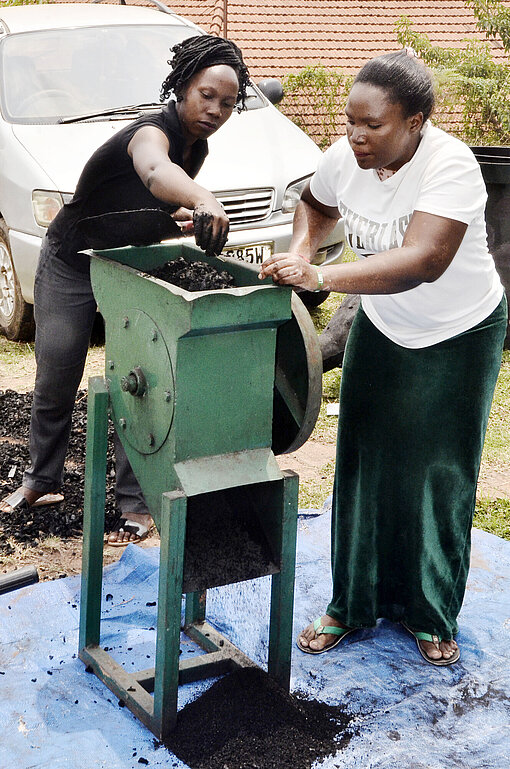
246	721
64	520
192	276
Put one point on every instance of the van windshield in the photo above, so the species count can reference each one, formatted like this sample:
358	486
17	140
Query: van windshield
53	74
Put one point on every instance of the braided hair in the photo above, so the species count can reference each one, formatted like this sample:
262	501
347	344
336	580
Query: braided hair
197	53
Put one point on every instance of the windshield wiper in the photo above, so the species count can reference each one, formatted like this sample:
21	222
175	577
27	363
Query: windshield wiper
113	111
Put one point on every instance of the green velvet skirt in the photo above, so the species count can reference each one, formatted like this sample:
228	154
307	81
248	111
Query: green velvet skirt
410	436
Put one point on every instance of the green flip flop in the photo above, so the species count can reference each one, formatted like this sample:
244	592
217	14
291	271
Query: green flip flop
321	629
436	640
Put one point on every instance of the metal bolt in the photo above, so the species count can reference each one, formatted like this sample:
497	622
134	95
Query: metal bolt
122	423
168	396
154	334
111	365
128	383
151	440
125	322
134	383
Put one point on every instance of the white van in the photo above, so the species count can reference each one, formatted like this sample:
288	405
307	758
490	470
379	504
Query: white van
68	74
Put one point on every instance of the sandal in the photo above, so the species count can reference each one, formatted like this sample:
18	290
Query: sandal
321	629
436	640
131	527
16	501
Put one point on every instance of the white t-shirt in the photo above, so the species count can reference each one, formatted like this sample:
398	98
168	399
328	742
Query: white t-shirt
443	178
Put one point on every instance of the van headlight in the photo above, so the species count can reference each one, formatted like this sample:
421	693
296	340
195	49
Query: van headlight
46	205
292	195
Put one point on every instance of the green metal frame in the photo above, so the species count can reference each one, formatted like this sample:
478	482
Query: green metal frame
151	695
190	386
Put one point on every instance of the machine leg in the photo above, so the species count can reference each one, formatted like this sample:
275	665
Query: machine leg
282	587
195	608
166	677
93	513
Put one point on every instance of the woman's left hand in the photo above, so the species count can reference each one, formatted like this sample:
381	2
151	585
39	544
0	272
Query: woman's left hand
290	269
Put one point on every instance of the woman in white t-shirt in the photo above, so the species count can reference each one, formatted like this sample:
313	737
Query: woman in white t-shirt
421	362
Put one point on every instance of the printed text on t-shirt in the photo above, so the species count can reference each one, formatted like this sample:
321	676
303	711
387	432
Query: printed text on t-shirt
367	237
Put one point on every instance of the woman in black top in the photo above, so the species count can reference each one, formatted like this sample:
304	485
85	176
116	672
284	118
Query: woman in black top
149	164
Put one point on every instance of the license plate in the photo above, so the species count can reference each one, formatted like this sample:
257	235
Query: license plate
254	253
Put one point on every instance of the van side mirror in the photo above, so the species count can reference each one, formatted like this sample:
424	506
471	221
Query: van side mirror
272	89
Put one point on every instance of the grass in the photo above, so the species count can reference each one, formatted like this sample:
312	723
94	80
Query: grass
492	515
14	352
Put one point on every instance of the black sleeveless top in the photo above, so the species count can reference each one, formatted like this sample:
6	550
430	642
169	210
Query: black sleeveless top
109	183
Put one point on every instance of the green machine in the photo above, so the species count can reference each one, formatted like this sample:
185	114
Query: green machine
204	388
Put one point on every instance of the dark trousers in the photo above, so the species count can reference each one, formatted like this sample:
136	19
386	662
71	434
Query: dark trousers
65	308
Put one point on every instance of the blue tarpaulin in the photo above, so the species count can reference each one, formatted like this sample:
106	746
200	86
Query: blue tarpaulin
408	714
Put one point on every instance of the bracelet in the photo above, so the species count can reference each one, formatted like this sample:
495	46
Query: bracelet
320	280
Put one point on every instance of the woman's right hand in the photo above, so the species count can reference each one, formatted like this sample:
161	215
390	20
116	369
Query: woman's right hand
169	183
211	226
290	269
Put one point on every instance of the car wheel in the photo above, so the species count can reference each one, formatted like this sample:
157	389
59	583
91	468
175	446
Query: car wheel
312	299
16	315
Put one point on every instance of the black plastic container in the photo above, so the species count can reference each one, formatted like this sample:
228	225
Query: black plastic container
495	165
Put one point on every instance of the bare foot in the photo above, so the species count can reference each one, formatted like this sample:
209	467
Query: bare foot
444	650
309	637
124	537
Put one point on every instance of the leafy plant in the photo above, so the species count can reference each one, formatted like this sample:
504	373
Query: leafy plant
8	3
314	99
493	18
469	82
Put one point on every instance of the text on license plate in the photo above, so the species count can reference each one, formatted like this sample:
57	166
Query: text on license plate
254	254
